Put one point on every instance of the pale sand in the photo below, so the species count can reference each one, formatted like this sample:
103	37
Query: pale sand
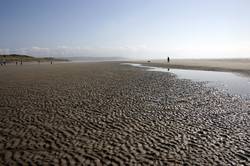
237	65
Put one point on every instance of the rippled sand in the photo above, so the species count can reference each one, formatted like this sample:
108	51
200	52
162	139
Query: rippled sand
107	113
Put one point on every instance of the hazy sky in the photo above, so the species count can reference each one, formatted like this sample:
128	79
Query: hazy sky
130	28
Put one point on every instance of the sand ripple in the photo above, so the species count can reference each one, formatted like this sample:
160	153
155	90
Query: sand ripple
106	113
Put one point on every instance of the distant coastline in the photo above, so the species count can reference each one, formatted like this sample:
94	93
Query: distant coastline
95	59
10	58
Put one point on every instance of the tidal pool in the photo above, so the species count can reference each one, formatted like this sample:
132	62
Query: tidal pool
228	82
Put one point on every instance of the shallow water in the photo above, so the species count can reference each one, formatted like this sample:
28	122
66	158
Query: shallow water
228	82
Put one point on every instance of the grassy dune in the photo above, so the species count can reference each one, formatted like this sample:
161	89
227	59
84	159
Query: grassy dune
26	58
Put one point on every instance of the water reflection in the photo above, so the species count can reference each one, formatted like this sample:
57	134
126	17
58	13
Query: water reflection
226	81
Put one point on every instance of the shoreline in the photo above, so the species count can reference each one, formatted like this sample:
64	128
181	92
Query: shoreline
241	66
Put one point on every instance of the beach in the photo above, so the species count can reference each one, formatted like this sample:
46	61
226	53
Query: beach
107	113
231	65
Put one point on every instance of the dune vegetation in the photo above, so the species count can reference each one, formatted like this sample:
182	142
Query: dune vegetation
27	58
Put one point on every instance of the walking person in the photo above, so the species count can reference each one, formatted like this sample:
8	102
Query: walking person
168	59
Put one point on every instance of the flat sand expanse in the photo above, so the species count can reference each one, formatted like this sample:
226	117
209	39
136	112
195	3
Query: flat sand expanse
107	113
235	65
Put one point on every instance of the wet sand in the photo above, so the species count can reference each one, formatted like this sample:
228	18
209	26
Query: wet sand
107	113
231	65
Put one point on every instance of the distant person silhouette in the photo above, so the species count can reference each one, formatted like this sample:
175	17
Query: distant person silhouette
51	62
168	59
16	62
21	63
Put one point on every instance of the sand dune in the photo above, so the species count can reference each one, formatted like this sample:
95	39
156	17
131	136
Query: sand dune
107	113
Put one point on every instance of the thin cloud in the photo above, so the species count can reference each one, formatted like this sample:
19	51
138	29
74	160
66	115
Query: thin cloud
241	49
4	51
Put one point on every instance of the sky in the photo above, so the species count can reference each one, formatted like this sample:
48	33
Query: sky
126	28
